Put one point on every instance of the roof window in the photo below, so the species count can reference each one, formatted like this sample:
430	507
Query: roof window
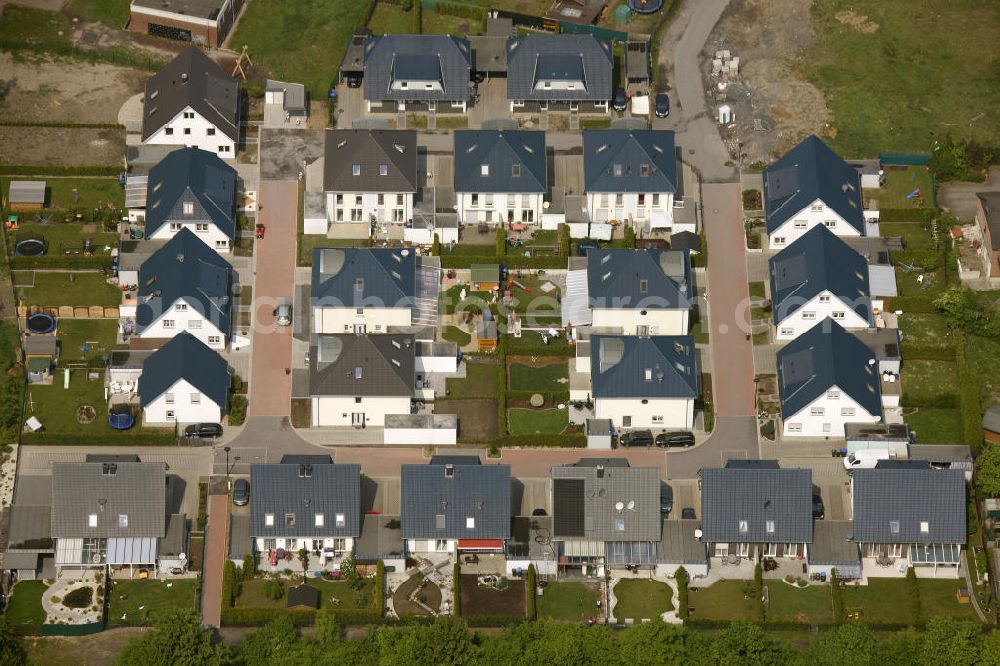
383	169
356	169
744	527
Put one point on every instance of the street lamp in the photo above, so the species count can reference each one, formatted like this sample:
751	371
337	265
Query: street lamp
227	450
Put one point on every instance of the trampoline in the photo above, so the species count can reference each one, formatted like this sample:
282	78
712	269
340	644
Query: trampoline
41	323
121	417
645	6
30	247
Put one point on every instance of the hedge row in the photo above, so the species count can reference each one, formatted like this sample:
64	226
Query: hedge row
63	125
72	261
545	441
380	586
456	584
913	351
968	391
466	261
55	171
803	626
901	214
143	438
252	617
532	600
229	585
493	620
838	597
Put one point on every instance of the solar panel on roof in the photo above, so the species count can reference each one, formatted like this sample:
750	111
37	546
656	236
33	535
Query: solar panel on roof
790	272
782	182
797	366
568	513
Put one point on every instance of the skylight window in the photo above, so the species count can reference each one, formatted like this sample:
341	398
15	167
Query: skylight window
894	526
341	520
357	372
470	523
92	520
356	169
769	526
383	169
925	527
515	170
269	520
320	520
744	527
619	524
484	169
617	170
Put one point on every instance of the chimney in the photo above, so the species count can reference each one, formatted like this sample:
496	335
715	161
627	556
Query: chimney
449	471
600	471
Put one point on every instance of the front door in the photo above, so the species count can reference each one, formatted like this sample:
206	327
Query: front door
358	419
359	329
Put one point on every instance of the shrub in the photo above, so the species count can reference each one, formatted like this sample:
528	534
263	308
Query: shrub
629	236
681	576
758	585
838	597
913	591
417	17
380	587
532	601
230	584
436	246
81	597
249	567
564	241
237	410
493	620
968	388
501	242
458	590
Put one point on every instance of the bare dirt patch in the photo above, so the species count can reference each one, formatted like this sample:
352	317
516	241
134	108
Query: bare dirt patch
781	108
481	600
477	419
429	596
60	146
857	21
45	90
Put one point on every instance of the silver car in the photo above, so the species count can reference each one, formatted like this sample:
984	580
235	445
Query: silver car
283	314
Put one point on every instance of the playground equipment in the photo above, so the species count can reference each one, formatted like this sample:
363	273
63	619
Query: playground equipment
41	323
645	6
30	247
121	417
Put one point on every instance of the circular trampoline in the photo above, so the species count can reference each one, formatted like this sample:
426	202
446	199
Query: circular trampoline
645	6
30	247
121	417
41	323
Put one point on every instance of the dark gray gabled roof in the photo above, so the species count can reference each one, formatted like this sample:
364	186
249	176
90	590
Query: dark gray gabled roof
629	161
126	499
633	279
362	277
192	79
990	201
756	505
823	357
454	459
533	59
443	59
384	160
185	267
514	161
832	544
294	495
662	366
438	500
188	358
606	503
807	172
679	545
890	505
196	177
819	262
359	365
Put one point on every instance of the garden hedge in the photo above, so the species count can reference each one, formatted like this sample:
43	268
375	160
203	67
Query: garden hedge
968	391
493	620
838	597
35	170
532	600
683	606
456	584
252	617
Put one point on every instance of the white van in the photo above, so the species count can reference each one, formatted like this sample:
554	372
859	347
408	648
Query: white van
865	459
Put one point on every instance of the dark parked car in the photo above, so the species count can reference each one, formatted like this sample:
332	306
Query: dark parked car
687	513
662	105
818	510
353	80
241	492
671	439
636	438
203	430
620	100
666	499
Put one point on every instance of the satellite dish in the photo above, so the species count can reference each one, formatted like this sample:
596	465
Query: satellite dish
619	506
183	556
631	505
404	252
697	534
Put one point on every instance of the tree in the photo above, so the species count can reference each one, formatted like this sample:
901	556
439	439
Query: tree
962	311
327	627
988	478
436	246
274	638
532	601
629	234
654	643
913	590
501	243
847	645
948	641
743	643
12	652
178	640
681	576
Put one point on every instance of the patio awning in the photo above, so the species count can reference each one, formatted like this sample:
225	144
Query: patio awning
935	553
141	550
480	544
631	552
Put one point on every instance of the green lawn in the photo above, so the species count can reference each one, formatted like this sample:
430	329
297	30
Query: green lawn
97	334
532	299
899	182
33	26
444	24
937	426
924	381
905	58
252	594
307	243
568	602
723	600
886	600
537	421
112	13
481	381
813	604
72	193
757	290
63	237
450	301
79	289
921	328
532	340
917	238
390	19
25	605
456	335
300	41
154	596
638	599
983	355
545	378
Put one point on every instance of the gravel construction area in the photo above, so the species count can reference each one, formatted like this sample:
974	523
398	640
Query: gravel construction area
42	90
61	146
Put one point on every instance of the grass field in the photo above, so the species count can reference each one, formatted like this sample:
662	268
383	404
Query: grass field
70	193
153	596
389	19
537	421
98	334
54	289
638	599
545	378
722	601
886	600
813	604
33	26
936	426
937	59
434	23
568	602
252	594
112	13
299	41
924	328
481	381
983	354
60	237
456	335
924	381
25	605
899	182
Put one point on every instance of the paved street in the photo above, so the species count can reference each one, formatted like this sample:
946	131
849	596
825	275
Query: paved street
271	381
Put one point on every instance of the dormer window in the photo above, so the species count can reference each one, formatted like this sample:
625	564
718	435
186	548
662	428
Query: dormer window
188	208
356	169
341	520
643	286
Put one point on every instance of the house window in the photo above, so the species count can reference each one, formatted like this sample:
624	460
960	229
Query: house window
181	307
270	544
475	200
210	131
92	520
269	520
170	415
357	200
194	323
779	240
825	298
833	394
214	339
769	527
847	411
817	411
484	169
224	149
830	224
340	199
399	199
291	543
189	208
722	550
794	427
619	199
441	545
187	130
925	527
788	331
196	398
656	200
340	215
175	226
381	200
619	524
808	315
470	523
201	228
356	169
515	170
289	520
357	214
837	315
643	170
799	224
489	200
547	84
617	170
317	545
383	169
189	114
643	286
817	208
169	397
770	550
357	401
169	131
319	520
341	520
642	199
604	200
397	214
744	527
657	419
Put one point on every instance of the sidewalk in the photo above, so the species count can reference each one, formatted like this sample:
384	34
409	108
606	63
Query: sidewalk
215	558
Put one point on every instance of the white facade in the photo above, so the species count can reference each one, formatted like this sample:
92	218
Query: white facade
385	207
499	208
425	235
182	403
359	320
658	321
339	410
826	415
671	413
818	308
207	232
181	316
189	128
432	546
656	208
543	567
293	544
421	436
668	570
814	214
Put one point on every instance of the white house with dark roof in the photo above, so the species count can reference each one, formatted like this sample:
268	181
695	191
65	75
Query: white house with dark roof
304	505
811	185
500	176
192	102
908	514
184	382
362	290
816	277
631	176
559	72
827	378
370	176
417	72
640	382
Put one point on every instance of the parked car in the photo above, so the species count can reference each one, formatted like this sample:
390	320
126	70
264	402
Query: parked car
662	105
241	492
353	80
620	100
818	509
687	513
203	431
283	314
865	459
636	438
672	439
666	499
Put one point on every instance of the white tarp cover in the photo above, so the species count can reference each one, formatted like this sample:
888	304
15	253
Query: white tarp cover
640	105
